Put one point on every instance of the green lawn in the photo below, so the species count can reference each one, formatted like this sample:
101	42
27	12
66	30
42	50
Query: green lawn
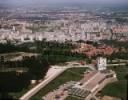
73	74
118	89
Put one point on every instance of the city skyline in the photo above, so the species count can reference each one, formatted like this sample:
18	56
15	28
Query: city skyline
63	49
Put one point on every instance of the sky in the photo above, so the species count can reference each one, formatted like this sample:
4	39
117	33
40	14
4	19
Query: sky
15	2
53	1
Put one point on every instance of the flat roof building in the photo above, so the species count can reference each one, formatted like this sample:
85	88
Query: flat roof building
92	83
101	63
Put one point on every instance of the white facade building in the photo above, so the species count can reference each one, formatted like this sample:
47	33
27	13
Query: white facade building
101	63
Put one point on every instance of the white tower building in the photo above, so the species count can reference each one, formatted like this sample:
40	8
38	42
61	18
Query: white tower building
101	63
14	28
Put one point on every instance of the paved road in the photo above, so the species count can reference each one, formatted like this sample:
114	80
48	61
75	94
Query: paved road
56	73
33	91
120	64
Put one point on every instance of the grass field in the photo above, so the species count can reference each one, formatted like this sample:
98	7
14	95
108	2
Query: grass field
118	89
73	74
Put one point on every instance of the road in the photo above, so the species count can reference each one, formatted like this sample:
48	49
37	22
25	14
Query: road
51	76
34	90
120	64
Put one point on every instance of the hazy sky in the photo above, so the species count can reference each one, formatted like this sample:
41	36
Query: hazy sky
13	2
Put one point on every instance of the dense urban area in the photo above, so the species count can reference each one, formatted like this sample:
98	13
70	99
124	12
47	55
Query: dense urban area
63	53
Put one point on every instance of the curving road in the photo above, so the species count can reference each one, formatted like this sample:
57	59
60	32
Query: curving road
57	71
